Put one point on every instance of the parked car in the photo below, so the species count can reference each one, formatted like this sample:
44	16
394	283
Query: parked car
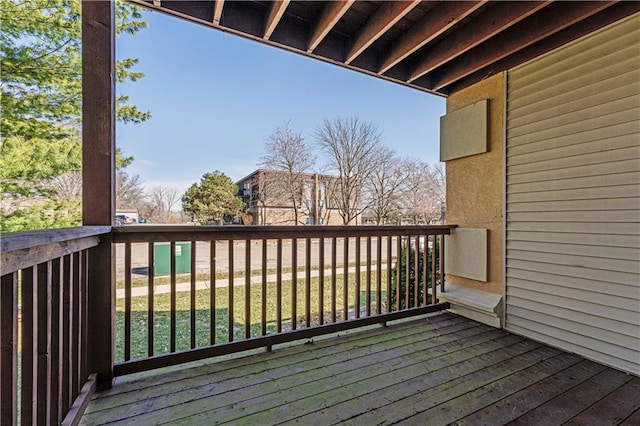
122	219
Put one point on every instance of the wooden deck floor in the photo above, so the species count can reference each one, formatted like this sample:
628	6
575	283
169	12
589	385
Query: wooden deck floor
443	370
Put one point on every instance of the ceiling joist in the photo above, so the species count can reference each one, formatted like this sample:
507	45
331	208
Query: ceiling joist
593	23
436	46
549	21
387	15
275	14
498	18
331	14
217	11
437	21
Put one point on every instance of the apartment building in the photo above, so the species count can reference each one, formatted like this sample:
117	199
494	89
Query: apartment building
274	197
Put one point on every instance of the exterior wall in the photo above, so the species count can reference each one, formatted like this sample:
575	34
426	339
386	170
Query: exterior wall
573	197
475	184
284	216
269	202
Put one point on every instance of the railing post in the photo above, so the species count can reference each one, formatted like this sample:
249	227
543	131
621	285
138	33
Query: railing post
98	173
101	313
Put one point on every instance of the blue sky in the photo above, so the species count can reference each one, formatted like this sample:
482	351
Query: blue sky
215	98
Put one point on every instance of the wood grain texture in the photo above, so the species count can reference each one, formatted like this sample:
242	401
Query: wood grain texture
443	369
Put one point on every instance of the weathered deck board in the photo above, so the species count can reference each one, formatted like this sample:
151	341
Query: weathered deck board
577	399
616	406
134	382
331	389
493	392
228	376
536	394
438	371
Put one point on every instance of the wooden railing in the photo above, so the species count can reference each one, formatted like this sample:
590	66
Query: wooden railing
44	376
226	289
188	293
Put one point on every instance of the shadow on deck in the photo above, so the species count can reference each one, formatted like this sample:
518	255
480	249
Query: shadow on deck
442	370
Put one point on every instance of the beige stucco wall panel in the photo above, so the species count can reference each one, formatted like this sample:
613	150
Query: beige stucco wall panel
466	253
475	184
464	132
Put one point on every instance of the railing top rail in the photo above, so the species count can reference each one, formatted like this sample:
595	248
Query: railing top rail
204	233
12	241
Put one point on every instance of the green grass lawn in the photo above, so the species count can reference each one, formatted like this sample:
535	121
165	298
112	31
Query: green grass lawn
206	276
161	325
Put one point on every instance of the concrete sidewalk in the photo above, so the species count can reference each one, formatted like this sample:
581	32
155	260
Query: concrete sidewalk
255	279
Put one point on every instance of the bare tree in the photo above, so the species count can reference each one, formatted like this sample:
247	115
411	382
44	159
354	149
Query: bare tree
423	195
129	190
439	184
67	185
287	152
352	147
383	189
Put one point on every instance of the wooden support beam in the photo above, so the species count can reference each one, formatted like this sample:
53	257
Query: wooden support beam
384	18
275	14
98	113
331	14
437	21
547	22
98	171
497	19
217	11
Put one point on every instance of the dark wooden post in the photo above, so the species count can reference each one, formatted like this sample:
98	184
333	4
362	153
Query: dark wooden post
98	174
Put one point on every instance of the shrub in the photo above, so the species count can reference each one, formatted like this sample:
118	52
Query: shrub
413	277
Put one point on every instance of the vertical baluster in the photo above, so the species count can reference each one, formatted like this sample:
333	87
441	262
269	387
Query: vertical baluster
307	283
398	271
358	278
193	307
247	289
150	300
425	269
416	272
345	273
172	332
434	262
379	275
407	270
368	307
230	292
84	315
321	281
294	283
9	348
334	268
66	398
264	287
76	321
56	312
279	286
212	293
127	301
389	270
441	255
44	342
29	380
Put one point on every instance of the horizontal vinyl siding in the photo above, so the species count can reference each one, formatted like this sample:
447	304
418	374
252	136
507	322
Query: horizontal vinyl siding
573	197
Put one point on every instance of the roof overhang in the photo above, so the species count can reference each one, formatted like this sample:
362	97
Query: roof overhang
435	46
